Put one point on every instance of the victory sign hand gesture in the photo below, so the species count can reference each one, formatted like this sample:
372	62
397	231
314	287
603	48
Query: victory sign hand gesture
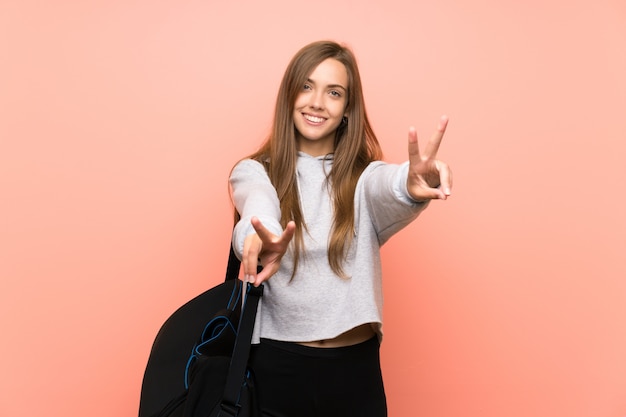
265	248
429	178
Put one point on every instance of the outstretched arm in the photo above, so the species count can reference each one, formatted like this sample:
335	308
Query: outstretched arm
428	178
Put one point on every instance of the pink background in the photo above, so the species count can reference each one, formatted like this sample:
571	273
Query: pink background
119	123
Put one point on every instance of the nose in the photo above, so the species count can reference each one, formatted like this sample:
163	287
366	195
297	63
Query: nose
317	99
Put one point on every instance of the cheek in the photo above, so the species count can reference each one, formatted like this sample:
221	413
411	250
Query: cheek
339	108
299	102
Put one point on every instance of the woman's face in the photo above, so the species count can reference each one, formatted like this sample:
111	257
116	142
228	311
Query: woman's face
320	107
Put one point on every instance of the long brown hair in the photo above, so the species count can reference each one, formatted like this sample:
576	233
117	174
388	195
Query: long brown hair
354	148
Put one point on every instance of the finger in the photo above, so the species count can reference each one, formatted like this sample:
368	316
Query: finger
265	274
287	235
445	176
425	194
261	230
432	147
250	257
414	151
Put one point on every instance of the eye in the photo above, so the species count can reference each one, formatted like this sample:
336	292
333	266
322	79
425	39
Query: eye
307	87
335	93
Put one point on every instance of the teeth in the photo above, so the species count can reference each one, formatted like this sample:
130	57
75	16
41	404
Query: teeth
314	119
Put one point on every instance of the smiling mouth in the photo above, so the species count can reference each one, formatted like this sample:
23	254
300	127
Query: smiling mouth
313	119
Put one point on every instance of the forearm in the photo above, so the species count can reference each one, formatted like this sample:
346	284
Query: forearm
253	195
389	204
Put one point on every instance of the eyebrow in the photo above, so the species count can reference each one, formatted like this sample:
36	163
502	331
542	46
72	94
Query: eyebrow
330	85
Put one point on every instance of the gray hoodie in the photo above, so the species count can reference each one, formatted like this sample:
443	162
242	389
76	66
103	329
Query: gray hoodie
317	304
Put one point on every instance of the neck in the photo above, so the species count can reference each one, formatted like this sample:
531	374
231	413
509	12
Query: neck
315	148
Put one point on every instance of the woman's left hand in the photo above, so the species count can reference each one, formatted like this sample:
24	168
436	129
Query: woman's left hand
429	178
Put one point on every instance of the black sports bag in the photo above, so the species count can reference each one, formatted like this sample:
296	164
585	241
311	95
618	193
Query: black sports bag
198	362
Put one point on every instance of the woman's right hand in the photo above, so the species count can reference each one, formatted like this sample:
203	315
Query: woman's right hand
266	248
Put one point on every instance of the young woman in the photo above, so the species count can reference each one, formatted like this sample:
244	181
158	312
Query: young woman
314	204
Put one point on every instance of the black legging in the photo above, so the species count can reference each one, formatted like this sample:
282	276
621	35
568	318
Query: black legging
300	381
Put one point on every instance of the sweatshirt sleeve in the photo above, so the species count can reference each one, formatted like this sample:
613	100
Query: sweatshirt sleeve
388	202
253	196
